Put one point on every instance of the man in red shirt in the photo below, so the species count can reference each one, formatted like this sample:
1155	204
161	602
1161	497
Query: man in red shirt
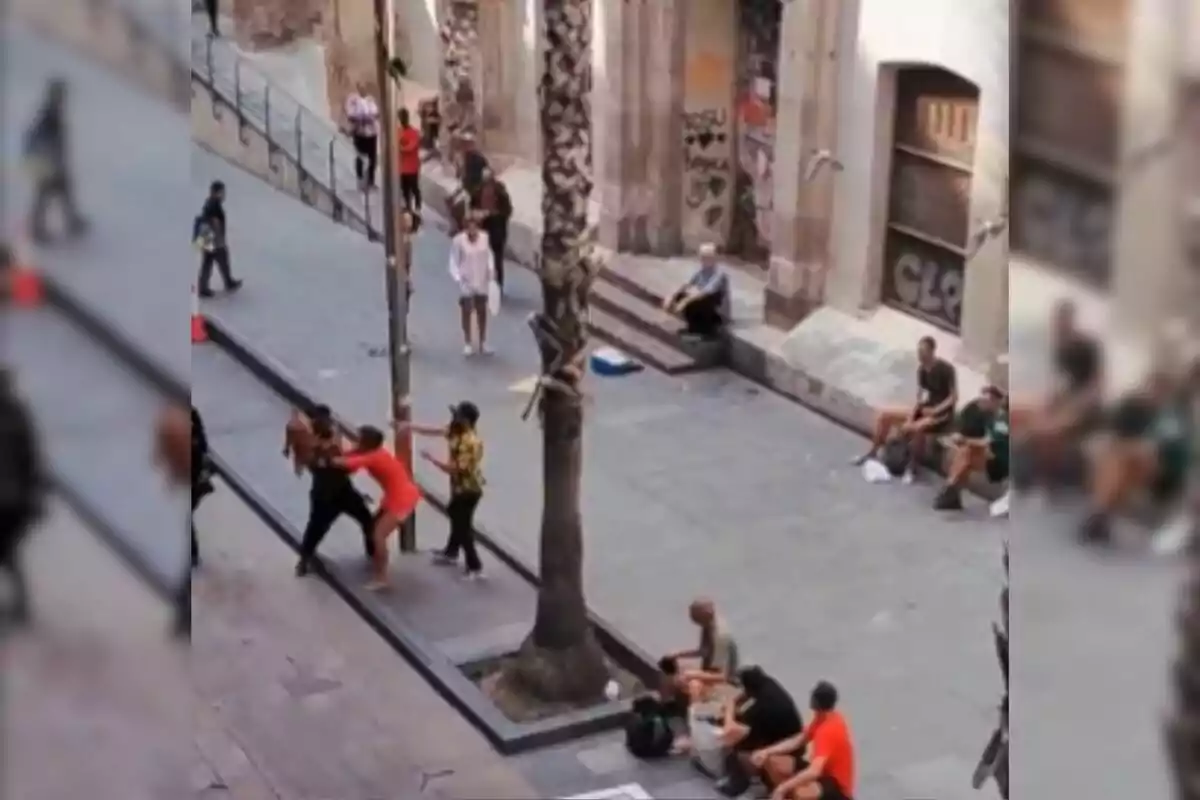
829	771
409	142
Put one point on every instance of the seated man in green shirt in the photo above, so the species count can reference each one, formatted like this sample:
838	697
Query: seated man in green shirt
973	447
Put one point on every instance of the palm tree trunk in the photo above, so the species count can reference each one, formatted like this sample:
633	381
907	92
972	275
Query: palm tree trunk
561	660
1183	729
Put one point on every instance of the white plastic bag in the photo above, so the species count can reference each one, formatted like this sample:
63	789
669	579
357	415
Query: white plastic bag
707	752
494	298
1000	507
875	472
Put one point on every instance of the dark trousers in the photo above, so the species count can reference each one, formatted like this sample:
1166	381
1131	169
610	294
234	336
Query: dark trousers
367	158
410	190
54	188
210	7
703	315
498	240
11	564
323	511
461	511
219	258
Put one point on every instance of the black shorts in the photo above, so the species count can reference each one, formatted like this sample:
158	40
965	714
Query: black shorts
830	790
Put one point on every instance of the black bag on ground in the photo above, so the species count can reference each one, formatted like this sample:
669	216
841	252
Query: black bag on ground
648	733
896	456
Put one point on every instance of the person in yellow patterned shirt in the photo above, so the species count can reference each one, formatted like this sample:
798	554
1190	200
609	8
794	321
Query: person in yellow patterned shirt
464	466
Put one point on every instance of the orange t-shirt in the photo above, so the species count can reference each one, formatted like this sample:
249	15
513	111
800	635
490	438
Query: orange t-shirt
400	494
410	151
830	737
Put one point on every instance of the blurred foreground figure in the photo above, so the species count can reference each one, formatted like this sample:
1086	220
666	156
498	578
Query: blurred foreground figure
22	491
1183	730
993	764
47	156
182	451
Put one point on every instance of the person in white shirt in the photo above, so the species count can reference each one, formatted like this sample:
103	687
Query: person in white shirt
362	115
474	270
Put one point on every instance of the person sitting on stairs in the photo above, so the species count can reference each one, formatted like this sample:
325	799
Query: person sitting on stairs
703	300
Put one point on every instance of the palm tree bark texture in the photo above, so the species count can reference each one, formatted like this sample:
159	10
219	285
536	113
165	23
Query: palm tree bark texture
1183	728
561	660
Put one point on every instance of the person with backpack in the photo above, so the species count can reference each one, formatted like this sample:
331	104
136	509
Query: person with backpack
209	234
23	490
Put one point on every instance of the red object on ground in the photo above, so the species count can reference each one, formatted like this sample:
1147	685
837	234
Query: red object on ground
26	287
199	328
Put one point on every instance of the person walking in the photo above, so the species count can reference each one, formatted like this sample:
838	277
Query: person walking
493	203
464	466
332	493
473	268
210	235
400	494
409	145
47	157
362	115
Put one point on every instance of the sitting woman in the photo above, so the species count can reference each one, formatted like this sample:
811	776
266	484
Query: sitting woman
975	447
1146	449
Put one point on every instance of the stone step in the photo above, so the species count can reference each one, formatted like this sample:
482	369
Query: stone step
638	344
652	321
622	275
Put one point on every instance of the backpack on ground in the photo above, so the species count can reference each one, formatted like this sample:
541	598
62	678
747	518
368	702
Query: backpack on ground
648	733
897	456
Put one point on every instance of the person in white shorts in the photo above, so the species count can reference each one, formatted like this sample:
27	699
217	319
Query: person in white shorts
474	270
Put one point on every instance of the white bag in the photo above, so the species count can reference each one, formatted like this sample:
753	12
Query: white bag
1000	507
875	472
494	298
707	752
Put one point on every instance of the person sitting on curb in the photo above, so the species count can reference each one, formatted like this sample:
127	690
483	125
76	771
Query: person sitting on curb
760	716
1146	449
703	300
828	772
971	448
717	657
937	396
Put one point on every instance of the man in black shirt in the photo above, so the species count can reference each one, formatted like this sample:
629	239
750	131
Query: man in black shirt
763	714
47	155
332	493
210	236
933	413
969	447
1047	431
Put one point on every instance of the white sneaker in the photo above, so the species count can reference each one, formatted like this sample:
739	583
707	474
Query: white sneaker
468	350
484	350
908	478
473	576
1173	537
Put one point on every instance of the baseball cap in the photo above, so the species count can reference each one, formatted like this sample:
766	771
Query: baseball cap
465	411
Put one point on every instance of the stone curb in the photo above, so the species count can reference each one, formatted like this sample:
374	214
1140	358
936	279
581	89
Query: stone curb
87	321
507	736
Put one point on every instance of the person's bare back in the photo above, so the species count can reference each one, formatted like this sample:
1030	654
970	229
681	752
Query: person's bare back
299	441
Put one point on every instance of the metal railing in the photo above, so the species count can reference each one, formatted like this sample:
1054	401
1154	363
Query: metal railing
321	153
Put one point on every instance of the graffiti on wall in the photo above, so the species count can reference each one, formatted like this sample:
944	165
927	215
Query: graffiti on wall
757	92
706	164
1063	222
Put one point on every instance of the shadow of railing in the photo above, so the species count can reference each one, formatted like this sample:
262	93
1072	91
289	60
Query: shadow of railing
320	157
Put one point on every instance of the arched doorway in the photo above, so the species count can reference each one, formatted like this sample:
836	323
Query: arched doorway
1070	72
932	163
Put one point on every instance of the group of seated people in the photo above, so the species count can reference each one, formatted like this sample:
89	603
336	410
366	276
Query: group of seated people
973	440
759	728
1138	445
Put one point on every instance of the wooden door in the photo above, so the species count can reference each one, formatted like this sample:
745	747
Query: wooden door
1069	75
930	195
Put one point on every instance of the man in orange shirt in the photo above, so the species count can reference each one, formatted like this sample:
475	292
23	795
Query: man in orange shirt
409	144
829	772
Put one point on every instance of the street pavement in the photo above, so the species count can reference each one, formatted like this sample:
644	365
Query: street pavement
706	485
95	697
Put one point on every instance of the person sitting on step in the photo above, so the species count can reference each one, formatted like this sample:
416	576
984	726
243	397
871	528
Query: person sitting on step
972	449
703	300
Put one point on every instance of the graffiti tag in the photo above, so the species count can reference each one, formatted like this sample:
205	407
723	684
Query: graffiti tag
930	287
706	163
1063	223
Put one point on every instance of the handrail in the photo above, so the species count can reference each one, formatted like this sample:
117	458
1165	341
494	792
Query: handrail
319	150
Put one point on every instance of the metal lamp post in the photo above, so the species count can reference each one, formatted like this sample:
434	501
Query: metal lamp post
397	230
